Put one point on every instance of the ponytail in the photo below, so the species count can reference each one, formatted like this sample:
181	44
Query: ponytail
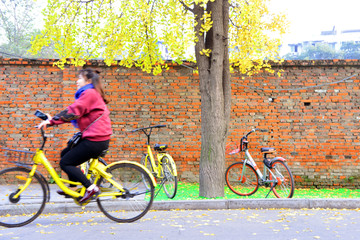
93	75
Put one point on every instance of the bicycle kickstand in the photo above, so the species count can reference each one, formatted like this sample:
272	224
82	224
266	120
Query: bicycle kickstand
271	189
161	186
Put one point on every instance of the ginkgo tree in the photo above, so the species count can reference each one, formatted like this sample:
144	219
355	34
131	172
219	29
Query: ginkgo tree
217	35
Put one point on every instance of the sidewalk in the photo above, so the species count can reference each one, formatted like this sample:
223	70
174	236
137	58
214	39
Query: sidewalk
59	204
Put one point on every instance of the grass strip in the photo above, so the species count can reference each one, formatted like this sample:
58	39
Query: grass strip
190	191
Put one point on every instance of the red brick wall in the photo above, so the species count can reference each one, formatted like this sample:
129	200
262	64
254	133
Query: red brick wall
315	129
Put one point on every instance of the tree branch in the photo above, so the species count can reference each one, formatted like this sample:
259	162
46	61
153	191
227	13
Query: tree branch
152	5
231	21
87	38
71	23
237	5
186	6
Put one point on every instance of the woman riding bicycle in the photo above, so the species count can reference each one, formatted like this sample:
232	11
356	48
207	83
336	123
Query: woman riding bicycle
90	114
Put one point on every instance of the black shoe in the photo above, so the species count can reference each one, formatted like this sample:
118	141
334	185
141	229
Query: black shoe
62	193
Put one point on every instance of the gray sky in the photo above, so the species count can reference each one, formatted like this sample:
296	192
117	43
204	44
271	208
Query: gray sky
309	17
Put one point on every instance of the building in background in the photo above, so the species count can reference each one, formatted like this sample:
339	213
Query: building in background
333	38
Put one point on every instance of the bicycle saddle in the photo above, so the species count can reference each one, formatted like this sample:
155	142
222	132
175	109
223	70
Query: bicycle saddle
267	150
103	153
160	147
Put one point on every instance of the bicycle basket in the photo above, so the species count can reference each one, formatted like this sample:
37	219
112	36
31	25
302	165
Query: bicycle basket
18	156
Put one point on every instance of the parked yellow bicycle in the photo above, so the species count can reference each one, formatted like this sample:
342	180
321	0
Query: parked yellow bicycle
127	189
165	170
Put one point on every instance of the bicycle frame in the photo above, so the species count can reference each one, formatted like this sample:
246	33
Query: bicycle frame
158	169
97	168
262	176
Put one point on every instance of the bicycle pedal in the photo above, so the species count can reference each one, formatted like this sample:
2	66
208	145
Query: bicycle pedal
93	197
62	193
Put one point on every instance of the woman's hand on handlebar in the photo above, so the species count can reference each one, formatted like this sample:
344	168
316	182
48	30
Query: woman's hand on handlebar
44	124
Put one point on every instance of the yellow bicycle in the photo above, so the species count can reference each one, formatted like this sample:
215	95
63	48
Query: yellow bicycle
165	170
127	189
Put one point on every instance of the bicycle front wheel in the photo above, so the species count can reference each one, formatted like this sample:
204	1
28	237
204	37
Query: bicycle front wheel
17	212
285	180
137	198
242	179
170	181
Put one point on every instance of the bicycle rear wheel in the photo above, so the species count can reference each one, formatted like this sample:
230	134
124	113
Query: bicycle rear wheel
145	160
28	206
170	181
137	199
285	186
242	179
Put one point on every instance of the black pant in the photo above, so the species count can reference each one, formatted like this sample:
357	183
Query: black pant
71	158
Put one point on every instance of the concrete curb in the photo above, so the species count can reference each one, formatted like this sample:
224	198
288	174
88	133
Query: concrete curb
258	204
69	206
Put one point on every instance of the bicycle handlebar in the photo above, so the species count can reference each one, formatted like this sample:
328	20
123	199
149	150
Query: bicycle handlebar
244	142
148	133
42	116
254	130
144	128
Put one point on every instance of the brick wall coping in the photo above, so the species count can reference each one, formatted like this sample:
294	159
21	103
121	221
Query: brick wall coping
286	63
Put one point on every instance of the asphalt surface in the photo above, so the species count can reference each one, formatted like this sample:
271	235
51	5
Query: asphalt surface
229	224
253	219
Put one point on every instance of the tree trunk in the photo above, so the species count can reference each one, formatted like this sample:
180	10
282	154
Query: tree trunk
215	91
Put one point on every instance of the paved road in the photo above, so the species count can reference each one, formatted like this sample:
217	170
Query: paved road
197	224
242	219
